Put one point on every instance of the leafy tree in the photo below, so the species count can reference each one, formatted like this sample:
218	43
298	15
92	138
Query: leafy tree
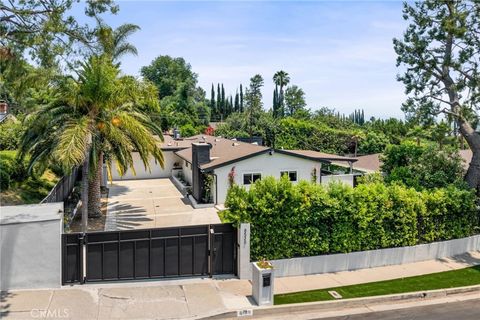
45	29
373	142
440	52
99	113
294	100
188	130
253	100
281	79
11	130
422	166
181	101
168	74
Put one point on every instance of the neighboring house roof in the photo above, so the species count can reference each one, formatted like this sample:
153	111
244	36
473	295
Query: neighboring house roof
315	155
368	163
223	151
372	162
170	144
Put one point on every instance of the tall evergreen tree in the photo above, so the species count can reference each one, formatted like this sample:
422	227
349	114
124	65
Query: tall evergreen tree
275	102
224	106
254	103
241	98
213	106
237	102
219	103
281	79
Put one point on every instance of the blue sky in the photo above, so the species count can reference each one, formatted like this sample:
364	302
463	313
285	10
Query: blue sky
339	52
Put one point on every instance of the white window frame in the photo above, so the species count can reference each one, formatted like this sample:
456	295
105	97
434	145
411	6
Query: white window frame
251	179
288	172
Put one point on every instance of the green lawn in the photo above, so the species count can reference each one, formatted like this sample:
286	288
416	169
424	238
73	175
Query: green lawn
441	280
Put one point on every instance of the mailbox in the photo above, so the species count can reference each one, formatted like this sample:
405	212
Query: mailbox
267	279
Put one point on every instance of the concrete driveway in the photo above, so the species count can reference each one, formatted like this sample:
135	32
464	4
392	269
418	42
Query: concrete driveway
152	203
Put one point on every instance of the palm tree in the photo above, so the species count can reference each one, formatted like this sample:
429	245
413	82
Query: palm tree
281	79
113	42
99	113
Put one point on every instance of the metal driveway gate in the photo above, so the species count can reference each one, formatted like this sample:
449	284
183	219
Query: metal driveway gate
149	253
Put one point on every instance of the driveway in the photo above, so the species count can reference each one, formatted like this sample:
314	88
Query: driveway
163	300
152	203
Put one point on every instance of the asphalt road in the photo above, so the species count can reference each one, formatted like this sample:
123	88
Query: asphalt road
464	310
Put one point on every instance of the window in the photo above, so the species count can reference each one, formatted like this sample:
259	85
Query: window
292	175
249	178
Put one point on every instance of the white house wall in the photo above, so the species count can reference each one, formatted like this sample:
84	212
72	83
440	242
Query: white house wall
267	165
345	178
156	171
187	171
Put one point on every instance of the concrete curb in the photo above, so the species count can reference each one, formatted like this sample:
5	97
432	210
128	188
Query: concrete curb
351	303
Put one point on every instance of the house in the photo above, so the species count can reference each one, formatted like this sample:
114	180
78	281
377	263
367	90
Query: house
208	163
372	163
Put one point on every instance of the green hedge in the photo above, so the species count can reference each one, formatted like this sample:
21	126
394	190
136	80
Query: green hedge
308	219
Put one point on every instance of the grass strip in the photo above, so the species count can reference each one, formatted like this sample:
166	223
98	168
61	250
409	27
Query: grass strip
441	280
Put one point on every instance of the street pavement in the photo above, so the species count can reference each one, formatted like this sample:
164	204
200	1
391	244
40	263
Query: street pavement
463	310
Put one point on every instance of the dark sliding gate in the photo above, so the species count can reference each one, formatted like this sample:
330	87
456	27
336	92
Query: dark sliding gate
150	253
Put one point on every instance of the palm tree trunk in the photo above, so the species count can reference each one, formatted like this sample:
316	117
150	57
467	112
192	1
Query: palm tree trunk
85	193
94	195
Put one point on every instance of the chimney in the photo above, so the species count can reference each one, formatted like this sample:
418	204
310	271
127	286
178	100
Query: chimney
176	134
3	107
200	155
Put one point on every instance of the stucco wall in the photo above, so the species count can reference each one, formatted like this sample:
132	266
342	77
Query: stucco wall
187	171
156	171
30	246
374	258
267	165
345	178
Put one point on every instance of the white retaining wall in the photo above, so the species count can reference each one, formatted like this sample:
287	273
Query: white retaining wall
374	258
30	246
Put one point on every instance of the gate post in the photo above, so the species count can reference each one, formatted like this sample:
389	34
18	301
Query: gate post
243	252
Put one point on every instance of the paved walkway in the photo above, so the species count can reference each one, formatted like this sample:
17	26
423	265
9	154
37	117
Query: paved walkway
152	203
191	298
345	278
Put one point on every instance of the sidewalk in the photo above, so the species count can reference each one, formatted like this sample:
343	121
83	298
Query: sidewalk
345	278
190	298
179	299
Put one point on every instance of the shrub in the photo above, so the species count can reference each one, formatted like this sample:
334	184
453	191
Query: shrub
304	219
188	130
11	131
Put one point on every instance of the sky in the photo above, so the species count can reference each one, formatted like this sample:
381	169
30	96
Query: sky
339	52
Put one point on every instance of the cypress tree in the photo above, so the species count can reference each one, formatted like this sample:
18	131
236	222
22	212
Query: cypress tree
241	98
237	103
223	101
219	102
275	102
213	108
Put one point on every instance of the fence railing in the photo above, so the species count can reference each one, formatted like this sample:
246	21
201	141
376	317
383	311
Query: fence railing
63	188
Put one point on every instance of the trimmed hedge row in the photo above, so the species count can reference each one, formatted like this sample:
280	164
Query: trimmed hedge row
307	219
